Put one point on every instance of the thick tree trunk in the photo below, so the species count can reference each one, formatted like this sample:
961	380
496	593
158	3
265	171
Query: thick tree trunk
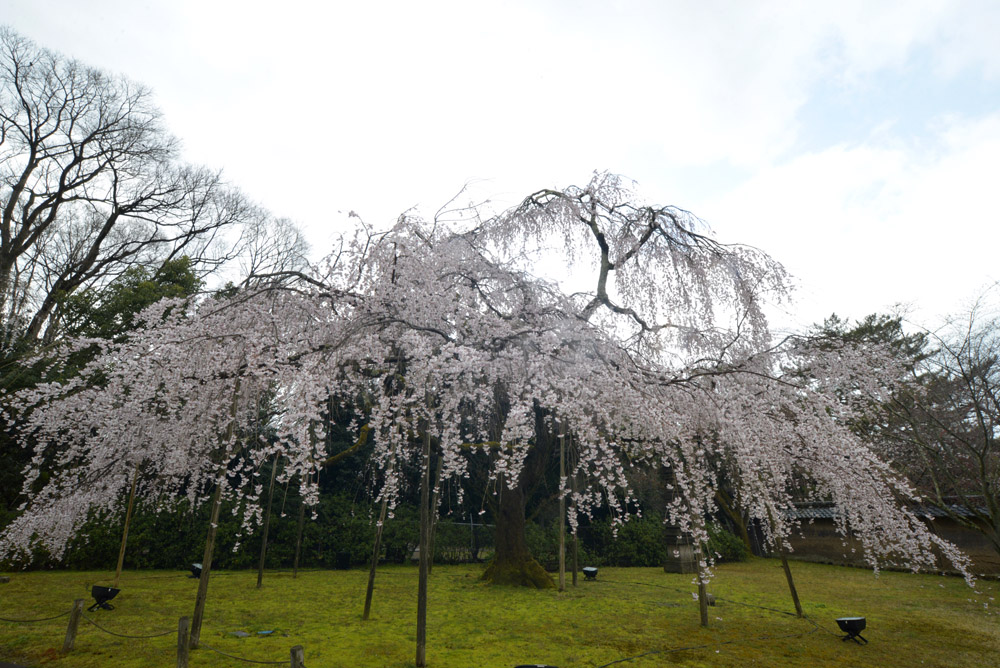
513	563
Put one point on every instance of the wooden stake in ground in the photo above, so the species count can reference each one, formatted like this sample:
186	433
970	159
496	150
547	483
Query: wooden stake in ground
702	587
128	520
576	540
425	523
206	568
267	522
213	526
434	505
298	538
791	583
375	555
562	509
73	625
788	572
183	641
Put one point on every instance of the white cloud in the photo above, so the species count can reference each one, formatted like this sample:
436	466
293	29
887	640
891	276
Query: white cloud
318	107
867	226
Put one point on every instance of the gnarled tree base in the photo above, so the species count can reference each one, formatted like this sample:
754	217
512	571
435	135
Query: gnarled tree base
520	573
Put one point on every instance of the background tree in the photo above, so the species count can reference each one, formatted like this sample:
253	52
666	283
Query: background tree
939	427
91	186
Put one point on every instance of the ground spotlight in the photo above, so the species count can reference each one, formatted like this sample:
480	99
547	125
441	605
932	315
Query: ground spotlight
101	597
852	626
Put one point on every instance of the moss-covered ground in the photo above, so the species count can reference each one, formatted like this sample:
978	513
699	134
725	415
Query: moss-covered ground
642	613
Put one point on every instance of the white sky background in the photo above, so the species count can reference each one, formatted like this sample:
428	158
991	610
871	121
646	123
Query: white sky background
856	142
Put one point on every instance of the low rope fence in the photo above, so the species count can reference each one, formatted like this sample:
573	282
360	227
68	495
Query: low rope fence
296	656
122	635
32	621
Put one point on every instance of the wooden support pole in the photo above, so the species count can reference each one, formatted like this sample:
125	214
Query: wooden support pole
702	600
434	505
128	520
213	525
183	638
298	538
791	584
375	554
425	483
784	566
206	568
576	539
74	624
298	657
702	586
562	508
267	523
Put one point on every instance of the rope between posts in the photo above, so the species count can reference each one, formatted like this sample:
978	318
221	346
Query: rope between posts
120	635
240	658
29	621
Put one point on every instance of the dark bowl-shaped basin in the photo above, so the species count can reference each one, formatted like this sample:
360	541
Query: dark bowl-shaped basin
103	594
852	625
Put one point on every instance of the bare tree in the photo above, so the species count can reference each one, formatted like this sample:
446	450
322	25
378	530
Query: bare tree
948	435
91	184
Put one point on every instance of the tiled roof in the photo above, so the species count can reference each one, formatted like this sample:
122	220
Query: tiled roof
829	512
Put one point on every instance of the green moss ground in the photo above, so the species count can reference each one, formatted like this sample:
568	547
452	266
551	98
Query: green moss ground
913	620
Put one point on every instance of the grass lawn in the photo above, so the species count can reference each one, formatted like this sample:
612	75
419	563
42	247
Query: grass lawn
642	613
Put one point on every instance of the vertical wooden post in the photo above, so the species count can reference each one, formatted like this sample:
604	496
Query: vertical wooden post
213	525
298	657
206	568
298	538
791	584
74	623
425	461
702	587
562	507
788	571
183	638
576	539
434	504
375	555
128	520
267	523
702	600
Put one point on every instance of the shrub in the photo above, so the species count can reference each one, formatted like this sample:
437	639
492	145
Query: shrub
725	545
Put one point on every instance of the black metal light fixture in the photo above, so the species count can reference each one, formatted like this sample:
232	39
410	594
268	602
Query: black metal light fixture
852	626
196	570
590	572
101	597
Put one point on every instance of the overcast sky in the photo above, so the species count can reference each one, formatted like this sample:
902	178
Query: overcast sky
856	142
